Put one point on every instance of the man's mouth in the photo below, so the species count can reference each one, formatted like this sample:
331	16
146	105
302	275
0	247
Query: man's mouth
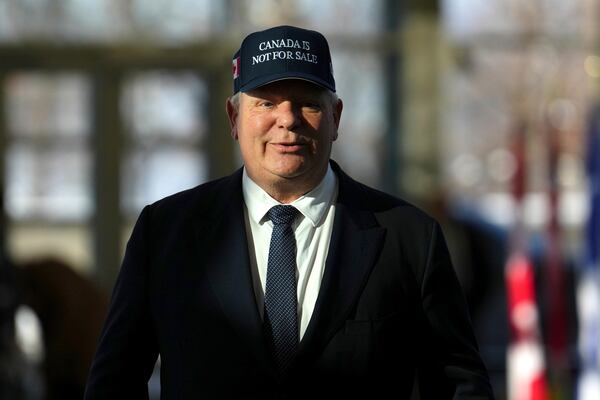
289	147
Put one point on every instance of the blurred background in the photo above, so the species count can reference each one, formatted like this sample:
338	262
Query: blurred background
485	113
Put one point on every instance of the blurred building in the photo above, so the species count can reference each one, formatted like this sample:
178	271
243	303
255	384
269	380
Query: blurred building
107	105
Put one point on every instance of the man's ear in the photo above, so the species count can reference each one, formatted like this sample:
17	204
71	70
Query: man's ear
337	115
232	114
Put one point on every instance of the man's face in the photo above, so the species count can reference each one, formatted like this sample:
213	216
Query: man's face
285	130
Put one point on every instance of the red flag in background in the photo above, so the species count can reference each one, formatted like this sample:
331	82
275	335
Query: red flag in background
525	358
526	367
554	275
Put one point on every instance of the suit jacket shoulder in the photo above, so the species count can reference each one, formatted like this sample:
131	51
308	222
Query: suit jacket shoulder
199	208
407	226
414	260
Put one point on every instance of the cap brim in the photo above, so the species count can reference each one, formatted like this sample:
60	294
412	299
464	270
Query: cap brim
264	80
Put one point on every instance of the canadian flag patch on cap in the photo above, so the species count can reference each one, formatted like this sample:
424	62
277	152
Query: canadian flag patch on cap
235	67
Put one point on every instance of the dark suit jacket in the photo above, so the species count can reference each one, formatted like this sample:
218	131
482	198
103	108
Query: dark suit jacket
389	306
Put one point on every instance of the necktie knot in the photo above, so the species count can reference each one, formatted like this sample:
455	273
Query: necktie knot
282	215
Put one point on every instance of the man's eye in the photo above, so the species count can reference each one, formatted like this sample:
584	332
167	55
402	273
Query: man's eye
265	104
312	106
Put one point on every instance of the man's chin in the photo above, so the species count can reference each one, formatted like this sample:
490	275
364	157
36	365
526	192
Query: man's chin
290	169
289	174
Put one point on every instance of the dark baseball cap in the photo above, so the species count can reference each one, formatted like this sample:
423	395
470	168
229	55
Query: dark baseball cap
282	52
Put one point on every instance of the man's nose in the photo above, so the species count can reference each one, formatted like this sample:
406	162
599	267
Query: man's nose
288	115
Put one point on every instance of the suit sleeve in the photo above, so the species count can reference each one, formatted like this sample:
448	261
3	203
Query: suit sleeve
452	367
127	348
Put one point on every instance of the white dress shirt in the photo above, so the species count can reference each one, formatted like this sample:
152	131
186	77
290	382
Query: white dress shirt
312	230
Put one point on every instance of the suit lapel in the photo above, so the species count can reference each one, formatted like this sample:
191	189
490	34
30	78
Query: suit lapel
228	269
355	244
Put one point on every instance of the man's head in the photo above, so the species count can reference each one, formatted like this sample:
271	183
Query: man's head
284	111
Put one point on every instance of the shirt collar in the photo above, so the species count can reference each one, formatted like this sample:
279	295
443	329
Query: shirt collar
313	205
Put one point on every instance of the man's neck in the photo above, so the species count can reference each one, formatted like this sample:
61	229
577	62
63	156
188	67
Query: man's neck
286	190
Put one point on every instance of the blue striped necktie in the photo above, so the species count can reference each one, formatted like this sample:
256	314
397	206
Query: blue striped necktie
281	321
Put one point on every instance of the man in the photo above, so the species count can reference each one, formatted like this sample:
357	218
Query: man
287	279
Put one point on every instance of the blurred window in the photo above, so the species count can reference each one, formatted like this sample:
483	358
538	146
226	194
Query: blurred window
48	165
165	119
48	168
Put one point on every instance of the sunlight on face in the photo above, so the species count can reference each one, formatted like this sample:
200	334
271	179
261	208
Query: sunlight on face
285	130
